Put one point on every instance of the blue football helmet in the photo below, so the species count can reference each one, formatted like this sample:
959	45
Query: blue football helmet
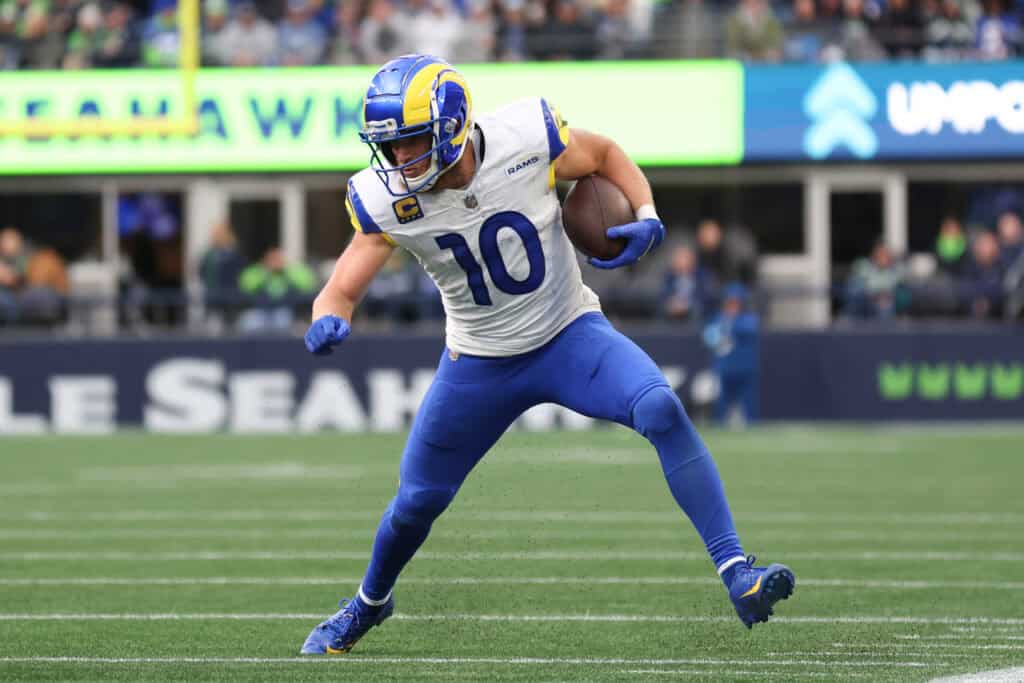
413	95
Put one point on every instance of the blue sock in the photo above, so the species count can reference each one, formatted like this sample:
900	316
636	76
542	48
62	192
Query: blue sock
393	547
690	472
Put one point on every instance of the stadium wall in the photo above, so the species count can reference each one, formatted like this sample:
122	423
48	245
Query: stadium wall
376	383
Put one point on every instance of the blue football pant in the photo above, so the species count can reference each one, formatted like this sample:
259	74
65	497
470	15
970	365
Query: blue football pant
589	367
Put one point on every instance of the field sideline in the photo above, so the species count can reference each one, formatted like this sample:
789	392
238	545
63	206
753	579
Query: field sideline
140	557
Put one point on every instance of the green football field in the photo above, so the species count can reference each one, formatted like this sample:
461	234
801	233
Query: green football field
194	558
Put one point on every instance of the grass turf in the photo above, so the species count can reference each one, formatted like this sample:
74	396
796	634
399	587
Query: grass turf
210	558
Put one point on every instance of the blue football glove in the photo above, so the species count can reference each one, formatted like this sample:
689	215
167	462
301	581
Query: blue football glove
326	332
641	237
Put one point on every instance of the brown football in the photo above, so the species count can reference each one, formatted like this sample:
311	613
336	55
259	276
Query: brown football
593	205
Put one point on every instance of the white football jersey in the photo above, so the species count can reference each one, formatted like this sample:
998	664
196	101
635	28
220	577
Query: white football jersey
496	249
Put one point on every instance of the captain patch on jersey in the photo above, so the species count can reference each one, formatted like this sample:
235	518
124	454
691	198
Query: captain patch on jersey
407	209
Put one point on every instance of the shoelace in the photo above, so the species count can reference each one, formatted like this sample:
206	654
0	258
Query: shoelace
751	560
343	616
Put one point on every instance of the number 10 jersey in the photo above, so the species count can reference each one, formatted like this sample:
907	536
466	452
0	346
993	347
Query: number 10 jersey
496	249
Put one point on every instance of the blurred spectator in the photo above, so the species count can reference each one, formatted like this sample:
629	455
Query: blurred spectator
681	293
806	34
121	41
46	284
710	252
900	29
981	286
512	31
723	258
694	33
84	42
877	287
323	13
13	265
383	33
734	338
615	31
10	50
948	35
345	48
998	34
434	27
43	30
566	34
402	292
24	28
220	268
856	40
273	288
476	43
32	281
160	40
951	247
830	12
302	41
102	41
215	20
641	15
1011	238
753	33
248	39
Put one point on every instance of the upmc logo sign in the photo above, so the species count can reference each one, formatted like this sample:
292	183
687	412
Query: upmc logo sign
968	107
884	111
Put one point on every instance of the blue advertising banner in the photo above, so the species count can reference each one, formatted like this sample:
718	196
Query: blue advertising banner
377	383
968	375
862	112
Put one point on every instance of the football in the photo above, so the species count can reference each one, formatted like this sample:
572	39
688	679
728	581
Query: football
593	205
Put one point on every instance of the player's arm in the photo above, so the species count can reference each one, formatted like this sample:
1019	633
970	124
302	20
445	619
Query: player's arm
592	154
588	153
333	307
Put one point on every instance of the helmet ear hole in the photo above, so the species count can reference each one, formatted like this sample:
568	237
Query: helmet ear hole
451	105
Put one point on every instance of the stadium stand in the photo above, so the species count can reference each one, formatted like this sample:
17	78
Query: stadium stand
967	263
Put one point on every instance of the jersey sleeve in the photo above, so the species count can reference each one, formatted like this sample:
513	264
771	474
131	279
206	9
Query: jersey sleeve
556	128
359	214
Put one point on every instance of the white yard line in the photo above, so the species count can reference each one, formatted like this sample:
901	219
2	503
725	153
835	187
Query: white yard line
570	516
946	647
515	661
867	584
916	637
1015	675
718	673
597	618
874	649
561	556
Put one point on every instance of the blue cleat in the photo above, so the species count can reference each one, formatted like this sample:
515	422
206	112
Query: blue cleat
341	632
754	590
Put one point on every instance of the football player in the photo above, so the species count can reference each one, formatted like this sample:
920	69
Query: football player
473	199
